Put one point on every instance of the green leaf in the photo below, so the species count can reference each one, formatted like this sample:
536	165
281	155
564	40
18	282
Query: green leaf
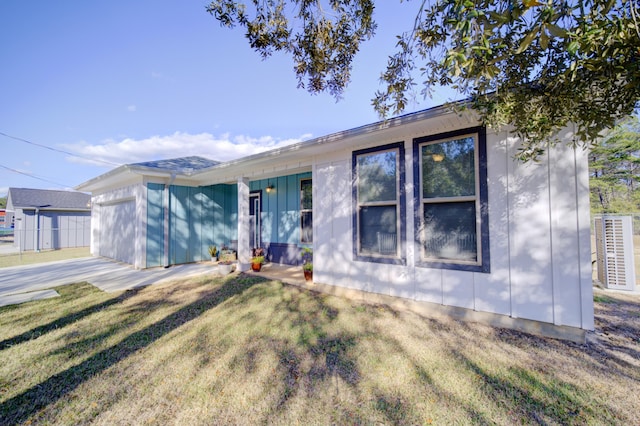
573	47
556	31
526	42
544	40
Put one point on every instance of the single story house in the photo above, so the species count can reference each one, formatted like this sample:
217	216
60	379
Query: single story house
429	206
48	219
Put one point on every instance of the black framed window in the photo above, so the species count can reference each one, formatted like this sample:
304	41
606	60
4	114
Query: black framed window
450	184
378	200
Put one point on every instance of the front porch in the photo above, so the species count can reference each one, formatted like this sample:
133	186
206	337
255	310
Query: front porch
287	274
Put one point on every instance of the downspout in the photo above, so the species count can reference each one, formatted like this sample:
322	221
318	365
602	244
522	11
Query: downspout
166	219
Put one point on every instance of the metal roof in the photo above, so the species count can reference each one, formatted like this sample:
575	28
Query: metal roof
26	198
179	164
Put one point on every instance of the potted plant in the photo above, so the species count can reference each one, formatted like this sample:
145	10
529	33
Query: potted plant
227	254
257	260
225	267
307	268
307	265
213	252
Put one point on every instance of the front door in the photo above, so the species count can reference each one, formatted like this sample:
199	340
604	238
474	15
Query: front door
255	220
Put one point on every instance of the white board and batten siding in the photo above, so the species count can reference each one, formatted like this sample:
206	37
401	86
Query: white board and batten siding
538	228
118	231
119	224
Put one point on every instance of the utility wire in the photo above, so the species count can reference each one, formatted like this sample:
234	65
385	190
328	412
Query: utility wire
34	176
58	150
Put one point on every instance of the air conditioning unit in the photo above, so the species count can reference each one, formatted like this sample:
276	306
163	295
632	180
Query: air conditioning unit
614	252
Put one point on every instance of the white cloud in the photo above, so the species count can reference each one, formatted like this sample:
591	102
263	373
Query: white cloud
132	108
221	148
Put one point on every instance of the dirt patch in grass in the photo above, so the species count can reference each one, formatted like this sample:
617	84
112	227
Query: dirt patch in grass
244	350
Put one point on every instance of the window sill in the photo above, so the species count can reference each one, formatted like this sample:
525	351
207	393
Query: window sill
466	267
380	259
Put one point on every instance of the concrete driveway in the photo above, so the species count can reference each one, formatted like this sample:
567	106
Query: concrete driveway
23	283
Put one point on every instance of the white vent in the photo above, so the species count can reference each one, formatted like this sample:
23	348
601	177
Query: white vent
614	252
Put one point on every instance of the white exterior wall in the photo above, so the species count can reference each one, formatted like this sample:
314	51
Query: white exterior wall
538	228
134	192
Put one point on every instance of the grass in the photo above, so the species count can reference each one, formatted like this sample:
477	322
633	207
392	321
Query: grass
31	257
245	350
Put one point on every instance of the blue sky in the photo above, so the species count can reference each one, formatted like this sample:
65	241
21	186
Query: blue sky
128	81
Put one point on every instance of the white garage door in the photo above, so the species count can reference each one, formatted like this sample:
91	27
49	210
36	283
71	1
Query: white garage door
117	231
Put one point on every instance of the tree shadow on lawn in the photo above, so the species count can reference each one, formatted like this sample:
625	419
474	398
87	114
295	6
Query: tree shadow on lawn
316	358
617	319
532	398
69	319
19	408
309	353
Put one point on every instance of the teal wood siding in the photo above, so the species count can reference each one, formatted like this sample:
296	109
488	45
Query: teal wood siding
201	216
155	225
179	224
281	208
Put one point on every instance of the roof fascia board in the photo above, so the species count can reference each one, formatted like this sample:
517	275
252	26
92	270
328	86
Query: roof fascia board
121	175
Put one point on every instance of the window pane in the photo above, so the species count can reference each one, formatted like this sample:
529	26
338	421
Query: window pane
450	231
306	227
448	169
306	200
377	177
378	230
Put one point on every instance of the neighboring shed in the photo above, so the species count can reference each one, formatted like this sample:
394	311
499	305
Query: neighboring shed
49	219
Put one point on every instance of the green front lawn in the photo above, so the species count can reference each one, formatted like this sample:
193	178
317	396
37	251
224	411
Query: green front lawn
244	350
31	257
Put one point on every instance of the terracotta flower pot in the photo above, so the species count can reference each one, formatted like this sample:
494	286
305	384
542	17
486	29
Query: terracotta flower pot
256	267
308	275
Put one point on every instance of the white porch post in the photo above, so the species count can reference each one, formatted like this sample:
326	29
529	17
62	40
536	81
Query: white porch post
244	251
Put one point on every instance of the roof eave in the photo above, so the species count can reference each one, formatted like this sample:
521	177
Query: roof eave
120	174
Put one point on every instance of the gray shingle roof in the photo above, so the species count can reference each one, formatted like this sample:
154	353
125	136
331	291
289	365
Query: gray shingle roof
180	164
49	199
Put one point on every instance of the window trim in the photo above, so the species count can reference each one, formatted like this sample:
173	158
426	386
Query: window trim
306	210
400	257
482	211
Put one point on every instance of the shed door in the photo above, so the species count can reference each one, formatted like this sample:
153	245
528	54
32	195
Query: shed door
117	231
